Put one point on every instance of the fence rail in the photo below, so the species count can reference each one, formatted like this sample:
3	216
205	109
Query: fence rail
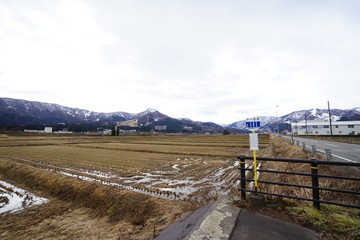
314	165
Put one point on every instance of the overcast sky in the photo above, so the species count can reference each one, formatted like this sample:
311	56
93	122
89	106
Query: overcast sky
219	61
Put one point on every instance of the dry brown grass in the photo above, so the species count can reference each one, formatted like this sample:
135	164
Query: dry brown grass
332	222
282	149
61	220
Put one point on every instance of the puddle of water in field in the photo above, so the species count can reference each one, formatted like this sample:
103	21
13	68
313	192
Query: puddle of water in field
162	182
190	159
95	173
13	199
118	185
165	182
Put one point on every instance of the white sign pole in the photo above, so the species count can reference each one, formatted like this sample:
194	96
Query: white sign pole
253	124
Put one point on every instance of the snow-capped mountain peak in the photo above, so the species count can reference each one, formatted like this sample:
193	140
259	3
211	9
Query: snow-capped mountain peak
151	110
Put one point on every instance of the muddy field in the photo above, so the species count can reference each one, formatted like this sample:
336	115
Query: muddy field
168	172
172	167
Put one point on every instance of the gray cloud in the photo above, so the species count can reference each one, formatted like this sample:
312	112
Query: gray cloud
206	60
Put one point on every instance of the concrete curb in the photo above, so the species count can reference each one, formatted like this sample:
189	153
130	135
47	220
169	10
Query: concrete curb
218	223
181	227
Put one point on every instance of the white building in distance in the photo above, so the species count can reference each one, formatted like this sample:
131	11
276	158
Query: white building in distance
186	128
160	128
46	130
323	128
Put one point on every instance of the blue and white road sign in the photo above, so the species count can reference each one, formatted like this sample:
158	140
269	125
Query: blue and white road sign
253	123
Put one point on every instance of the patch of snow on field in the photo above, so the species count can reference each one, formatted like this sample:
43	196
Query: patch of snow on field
222	171
13	199
176	167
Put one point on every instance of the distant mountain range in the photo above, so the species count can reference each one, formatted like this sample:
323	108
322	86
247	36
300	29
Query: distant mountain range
16	112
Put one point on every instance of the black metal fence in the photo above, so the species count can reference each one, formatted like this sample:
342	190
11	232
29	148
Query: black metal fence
314	165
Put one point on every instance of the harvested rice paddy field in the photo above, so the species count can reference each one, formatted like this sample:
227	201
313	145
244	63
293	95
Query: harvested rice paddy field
111	187
193	167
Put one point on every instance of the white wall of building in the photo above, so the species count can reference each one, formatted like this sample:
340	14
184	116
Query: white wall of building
323	128
48	129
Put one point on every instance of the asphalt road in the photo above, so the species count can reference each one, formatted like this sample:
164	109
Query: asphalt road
339	151
223	220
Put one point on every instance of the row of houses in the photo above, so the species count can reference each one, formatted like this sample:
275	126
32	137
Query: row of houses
323	128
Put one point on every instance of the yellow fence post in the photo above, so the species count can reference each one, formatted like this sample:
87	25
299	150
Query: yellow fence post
255	171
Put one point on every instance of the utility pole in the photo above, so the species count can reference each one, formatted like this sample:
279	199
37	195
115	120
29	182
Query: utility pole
277	118
296	126
331	133
306	129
